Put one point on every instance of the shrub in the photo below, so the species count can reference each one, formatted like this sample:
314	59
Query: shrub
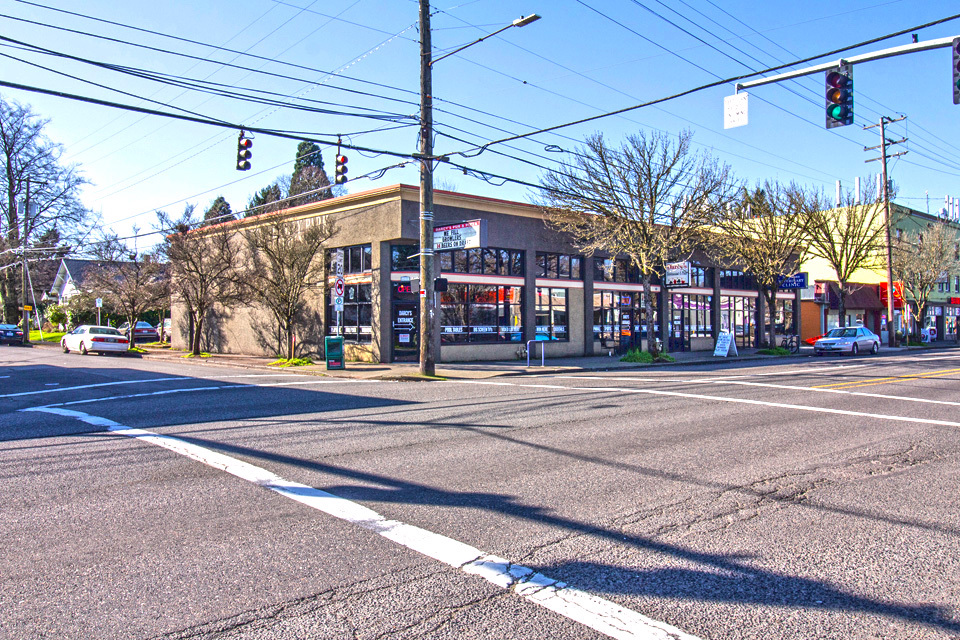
776	351
645	357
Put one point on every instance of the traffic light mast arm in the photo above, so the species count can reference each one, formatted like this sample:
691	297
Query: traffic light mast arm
939	43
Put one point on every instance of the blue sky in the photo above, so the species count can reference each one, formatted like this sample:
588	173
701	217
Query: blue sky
581	59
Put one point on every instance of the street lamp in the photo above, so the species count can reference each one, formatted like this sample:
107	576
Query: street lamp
427	303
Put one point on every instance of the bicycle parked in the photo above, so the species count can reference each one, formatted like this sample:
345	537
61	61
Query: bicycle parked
791	343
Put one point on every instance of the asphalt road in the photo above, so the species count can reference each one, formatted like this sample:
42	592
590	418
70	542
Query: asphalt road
816	498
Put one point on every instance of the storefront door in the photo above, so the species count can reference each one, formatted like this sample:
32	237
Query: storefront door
405	332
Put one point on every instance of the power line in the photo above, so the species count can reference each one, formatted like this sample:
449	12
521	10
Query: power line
674	96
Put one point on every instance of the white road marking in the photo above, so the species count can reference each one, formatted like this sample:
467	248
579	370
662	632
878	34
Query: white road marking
165	392
89	386
767	385
698	396
592	611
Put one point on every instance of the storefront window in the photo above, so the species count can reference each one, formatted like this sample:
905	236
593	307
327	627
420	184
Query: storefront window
619	319
609	270
552	314
473	313
356	259
403	257
491	261
558	265
738	314
355	320
732	279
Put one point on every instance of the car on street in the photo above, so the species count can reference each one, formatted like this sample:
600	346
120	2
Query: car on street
852	340
11	334
142	332
87	338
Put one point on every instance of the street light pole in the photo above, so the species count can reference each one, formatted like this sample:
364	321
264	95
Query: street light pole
428	355
23	257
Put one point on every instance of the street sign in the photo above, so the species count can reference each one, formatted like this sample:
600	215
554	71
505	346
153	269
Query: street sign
796	281
27	307
339	286
338	303
98	303
735	110
338	263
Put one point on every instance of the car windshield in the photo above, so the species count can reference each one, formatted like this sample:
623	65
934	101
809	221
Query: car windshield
842	333
104	331
144	325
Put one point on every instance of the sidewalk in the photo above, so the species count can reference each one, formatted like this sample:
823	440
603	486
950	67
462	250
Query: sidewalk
484	370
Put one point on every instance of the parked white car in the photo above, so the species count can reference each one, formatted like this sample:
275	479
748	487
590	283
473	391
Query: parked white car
852	340
86	338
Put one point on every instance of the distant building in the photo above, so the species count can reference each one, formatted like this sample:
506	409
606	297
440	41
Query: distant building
69	279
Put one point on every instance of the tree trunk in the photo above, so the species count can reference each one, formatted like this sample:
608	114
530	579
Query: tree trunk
290	345
197	328
772	315
842	305
648	310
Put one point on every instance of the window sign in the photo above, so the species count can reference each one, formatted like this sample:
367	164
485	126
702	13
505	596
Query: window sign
677	274
471	234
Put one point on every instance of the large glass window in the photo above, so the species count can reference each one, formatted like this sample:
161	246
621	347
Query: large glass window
559	265
356	259
732	279
355	320
403	257
490	261
738	314
552	314
619	318
473	313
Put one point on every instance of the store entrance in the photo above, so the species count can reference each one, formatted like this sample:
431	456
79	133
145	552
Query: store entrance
406	332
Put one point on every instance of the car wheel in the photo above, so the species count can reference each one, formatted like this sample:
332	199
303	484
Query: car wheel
63	344
83	349
875	349
855	349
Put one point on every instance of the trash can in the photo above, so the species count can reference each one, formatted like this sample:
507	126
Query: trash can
333	352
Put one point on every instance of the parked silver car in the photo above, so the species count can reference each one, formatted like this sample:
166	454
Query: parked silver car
852	340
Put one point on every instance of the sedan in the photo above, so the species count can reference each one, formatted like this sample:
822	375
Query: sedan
142	332
850	340
87	338
11	334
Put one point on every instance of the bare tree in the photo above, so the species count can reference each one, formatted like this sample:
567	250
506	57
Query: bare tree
204	267
764	233
849	237
129	286
923	259
56	215
285	262
649	200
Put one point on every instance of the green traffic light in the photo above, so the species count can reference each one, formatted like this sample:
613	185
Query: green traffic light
836	111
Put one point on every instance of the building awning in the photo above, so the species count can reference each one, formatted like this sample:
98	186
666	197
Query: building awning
859	296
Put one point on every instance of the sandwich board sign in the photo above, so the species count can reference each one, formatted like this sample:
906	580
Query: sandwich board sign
725	345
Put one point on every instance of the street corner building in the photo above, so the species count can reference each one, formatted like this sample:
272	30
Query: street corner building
511	278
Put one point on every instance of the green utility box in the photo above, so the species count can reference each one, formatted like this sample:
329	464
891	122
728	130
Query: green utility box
333	351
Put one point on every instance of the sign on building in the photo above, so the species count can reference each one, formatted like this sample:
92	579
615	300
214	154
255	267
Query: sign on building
677	274
796	281
471	234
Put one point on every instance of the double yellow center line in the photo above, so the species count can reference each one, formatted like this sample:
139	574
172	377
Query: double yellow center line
888	380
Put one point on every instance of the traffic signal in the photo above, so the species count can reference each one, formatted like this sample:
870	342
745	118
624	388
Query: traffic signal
839	94
341	169
243	152
956	70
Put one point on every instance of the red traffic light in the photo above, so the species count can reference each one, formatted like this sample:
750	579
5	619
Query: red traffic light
341	171
245	143
243	152
837	79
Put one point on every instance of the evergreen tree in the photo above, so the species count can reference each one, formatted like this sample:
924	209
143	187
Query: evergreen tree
265	196
218	212
309	176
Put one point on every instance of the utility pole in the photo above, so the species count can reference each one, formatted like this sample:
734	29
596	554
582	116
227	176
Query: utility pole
427	303
23	257
884	121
